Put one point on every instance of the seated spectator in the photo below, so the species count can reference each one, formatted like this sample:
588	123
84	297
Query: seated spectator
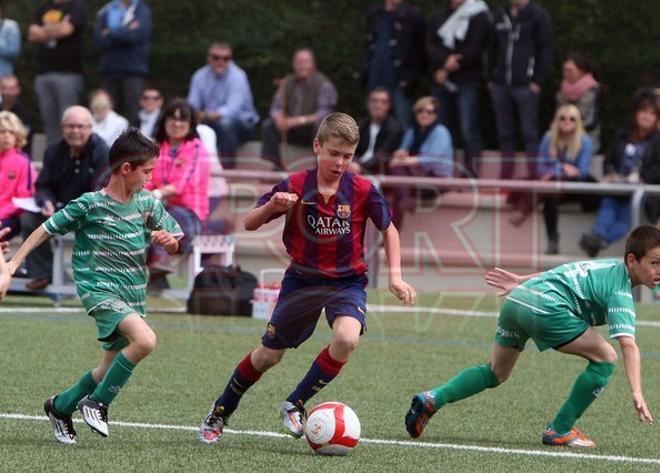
633	157
151	106
17	175
579	88
220	92
10	42
426	150
380	135
181	180
299	105
10	91
76	164
564	155
108	124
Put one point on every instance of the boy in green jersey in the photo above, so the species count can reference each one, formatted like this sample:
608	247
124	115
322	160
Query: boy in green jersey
114	228
558	309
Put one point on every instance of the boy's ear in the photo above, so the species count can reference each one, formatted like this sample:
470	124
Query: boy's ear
630	259
125	168
316	145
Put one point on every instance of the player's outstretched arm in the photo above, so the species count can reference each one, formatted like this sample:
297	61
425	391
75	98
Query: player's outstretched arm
5	277
166	240
279	202
35	239
4	245
401	289
632	363
506	281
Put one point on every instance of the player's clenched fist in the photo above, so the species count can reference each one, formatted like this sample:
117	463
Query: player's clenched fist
283	201
166	240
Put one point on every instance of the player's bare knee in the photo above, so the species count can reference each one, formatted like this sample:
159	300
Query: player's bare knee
265	358
345	345
606	353
145	343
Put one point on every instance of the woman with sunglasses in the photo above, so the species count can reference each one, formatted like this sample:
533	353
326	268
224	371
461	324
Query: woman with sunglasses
426	150
181	180
565	154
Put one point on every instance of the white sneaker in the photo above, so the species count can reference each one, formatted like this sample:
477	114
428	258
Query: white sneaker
210	430
95	414
293	418
62	425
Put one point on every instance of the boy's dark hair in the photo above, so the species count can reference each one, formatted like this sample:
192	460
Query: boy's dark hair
181	109
132	147
642	240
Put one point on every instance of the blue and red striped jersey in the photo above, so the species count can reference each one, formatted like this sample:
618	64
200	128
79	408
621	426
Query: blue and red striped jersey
326	239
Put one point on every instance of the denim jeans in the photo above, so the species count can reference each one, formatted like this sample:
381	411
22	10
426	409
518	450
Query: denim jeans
231	133
613	219
509	101
465	102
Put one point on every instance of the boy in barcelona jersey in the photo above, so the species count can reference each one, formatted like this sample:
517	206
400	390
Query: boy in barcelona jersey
558	309
113	230
326	211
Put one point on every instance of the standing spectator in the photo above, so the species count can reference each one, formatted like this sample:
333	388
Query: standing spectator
151	106
579	87
10	91
180	179
17	175
456	40
122	32
395	52
564	154
520	55
76	164
426	150
221	94
633	156
10	42
380	135
107	123
302	100
58	28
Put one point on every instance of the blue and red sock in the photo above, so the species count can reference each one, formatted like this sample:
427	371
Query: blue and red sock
323	370
244	376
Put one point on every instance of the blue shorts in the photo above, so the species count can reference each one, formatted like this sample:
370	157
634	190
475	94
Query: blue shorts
300	303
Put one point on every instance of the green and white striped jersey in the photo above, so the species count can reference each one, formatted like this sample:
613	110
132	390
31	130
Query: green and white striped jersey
599	292
111	244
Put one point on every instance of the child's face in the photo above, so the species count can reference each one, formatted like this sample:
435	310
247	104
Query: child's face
137	178
7	139
334	156
646	270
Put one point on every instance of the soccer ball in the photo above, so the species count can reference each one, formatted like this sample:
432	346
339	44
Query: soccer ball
332	428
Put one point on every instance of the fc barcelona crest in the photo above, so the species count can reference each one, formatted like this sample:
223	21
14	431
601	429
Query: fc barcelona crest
343	210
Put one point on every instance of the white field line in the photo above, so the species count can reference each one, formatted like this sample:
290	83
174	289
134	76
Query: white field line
371	308
401	443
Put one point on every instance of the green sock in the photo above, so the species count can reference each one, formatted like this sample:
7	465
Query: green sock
467	383
115	379
66	401
586	389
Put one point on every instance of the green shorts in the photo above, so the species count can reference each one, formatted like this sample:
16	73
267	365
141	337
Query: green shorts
108	315
517	323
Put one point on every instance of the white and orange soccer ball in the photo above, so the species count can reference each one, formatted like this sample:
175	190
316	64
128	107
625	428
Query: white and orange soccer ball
332	428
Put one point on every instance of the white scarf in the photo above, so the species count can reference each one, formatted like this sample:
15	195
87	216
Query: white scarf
456	26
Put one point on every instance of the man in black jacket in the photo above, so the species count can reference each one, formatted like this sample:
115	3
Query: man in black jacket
76	164
520	55
395	52
455	42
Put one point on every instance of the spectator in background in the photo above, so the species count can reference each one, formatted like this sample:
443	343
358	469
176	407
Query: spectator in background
17	175
520	54
151	106
380	135
633	157
58	29
76	164
10	91
302	100
220	92
122	32
10	42
180	179
564	154
456	40
394	55
107	123
426	150
580	88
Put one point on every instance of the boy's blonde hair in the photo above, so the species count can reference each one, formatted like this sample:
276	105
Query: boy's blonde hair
14	124
338	125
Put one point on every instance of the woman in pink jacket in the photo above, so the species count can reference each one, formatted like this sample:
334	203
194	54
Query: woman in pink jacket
180	179
17	175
